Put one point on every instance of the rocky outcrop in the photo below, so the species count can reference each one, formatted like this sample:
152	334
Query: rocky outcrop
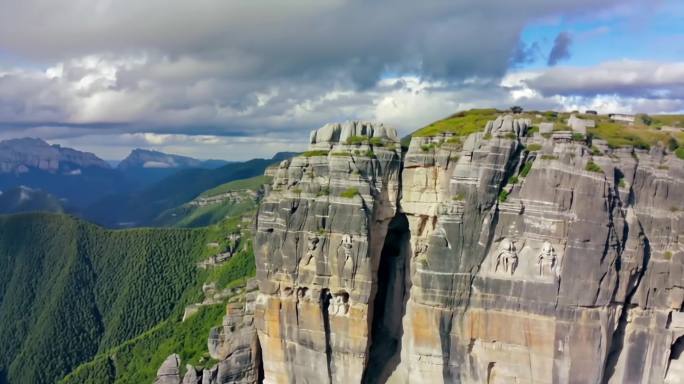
234	345
169	372
571	273
580	125
319	237
472	259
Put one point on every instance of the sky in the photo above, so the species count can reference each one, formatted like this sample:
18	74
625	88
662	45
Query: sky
234	80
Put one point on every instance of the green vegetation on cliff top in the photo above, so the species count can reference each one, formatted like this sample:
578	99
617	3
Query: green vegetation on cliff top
616	134
460	124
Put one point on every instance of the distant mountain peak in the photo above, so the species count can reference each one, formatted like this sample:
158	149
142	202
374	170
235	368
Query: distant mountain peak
146	158
21	155
151	159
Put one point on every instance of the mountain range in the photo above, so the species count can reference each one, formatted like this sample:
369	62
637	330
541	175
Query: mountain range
139	188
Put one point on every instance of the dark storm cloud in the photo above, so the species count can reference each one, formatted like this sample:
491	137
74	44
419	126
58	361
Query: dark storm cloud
561	49
295	38
260	67
525	54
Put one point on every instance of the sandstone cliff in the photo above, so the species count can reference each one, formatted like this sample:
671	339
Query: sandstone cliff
503	256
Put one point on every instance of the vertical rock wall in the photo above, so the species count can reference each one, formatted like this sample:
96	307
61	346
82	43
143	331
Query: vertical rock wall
568	276
319	238
560	264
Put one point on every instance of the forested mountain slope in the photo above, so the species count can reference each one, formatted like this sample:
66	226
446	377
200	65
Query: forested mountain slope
69	289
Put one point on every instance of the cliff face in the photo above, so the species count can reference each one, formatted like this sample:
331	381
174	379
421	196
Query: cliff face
499	257
320	234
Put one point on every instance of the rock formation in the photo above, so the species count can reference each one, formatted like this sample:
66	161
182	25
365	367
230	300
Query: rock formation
471	260
169	372
580	125
319	237
234	344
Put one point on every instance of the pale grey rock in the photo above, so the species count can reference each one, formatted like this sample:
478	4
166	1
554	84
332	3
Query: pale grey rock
502	126
590	320
234	344
191	376
429	275
580	125
169	372
316	255
545	127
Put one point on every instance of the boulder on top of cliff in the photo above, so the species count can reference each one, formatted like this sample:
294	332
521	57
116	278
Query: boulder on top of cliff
580	125
506	124
169	372
333	133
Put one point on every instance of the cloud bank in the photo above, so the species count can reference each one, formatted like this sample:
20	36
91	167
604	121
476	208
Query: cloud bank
105	75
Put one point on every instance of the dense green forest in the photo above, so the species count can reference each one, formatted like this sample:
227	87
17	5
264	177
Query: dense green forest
137	360
70	289
142	207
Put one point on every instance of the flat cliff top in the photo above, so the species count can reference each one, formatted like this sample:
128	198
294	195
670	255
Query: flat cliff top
617	130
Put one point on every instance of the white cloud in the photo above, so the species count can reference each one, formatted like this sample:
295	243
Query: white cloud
192	76
616	86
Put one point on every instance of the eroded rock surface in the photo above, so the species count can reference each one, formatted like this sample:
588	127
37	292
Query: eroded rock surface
169	371
234	344
567	276
319	238
479	261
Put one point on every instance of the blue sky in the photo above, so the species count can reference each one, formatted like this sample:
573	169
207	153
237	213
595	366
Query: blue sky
234	80
653	32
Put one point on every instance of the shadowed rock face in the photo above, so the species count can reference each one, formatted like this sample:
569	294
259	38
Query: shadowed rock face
572	274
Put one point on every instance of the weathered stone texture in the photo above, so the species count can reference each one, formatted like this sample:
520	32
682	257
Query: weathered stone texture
319	235
574	278
234	344
559	274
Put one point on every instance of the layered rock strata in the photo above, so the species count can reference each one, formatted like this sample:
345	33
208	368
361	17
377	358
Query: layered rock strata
550	266
494	258
319	237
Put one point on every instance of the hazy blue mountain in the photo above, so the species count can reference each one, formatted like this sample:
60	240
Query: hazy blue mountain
142	207
76	177
145	167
